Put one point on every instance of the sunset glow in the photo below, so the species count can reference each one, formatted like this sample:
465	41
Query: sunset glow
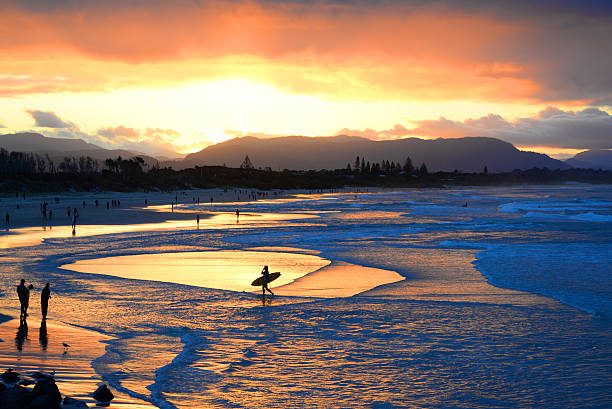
203	73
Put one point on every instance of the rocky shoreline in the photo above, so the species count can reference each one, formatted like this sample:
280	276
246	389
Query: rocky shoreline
15	393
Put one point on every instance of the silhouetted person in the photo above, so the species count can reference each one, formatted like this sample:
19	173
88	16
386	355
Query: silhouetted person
75	215
198	219
107	205
50	214
7	219
21	293
27	299
43	339
266	279
237	213
44	300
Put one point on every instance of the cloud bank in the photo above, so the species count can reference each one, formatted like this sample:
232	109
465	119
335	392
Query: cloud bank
590	128
546	51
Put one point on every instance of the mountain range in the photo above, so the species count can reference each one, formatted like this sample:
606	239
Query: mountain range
593	159
304	153
299	152
59	148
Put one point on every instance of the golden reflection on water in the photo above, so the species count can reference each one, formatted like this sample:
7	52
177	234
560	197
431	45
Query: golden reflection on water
304	275
226	270
31	236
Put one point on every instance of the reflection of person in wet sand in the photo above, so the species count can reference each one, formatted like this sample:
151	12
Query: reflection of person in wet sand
22	334
44	301
266	279
43	339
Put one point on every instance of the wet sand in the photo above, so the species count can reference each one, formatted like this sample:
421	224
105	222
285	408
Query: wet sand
37	347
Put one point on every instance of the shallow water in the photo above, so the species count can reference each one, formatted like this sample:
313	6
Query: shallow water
443	337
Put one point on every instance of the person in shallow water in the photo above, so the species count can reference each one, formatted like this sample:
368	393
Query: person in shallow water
44	300
266	279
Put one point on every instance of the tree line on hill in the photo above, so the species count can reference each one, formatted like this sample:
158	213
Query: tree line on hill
35	172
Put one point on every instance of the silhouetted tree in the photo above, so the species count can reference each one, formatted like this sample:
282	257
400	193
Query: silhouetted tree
246	163
408	167
357	163
486	170
423	170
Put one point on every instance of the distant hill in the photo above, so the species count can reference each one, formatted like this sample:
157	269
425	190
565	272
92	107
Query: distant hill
58	148
592	159
299	152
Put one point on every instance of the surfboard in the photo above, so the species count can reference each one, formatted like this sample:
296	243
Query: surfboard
260	280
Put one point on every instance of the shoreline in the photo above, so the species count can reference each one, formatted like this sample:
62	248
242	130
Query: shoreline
38	347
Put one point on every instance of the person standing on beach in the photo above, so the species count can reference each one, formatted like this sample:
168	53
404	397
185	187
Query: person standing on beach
26	300
74	219
266	279
44	301
7	218
21	293
198	219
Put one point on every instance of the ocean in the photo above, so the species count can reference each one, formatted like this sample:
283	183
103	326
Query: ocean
504	299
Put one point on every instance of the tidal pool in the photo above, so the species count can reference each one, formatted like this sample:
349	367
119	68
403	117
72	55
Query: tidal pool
301	274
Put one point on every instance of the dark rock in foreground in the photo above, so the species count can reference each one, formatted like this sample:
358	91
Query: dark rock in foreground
46	393
10	376
16	397
103	394
73	403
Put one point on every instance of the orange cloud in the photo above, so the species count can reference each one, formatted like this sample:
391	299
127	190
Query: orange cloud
340	51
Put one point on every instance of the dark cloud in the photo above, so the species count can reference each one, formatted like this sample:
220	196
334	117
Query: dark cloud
590	128
119	132
48	119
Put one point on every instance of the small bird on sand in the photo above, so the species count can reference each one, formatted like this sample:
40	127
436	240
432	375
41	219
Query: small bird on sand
66	346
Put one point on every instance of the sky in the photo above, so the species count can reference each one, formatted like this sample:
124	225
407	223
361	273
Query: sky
175	76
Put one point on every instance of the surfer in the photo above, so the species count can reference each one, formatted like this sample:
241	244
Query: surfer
266	279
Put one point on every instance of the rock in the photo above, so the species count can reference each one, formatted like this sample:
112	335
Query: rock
42	402
70	403
103	394
2	387
25	382
39	375
47	387
16	397
10	376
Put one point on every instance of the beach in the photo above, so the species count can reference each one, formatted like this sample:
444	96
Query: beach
385	298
